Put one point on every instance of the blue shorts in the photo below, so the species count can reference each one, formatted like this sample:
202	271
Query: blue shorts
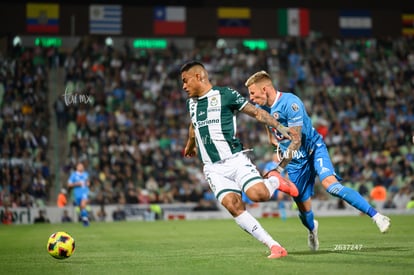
78	198
317	164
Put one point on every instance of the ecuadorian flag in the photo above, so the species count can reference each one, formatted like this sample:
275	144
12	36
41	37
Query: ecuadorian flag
233	21
42	18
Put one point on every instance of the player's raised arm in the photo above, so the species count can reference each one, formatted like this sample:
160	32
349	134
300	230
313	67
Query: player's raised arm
264	117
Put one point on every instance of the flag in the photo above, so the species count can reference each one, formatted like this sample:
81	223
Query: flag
170	20
105	19
294	22
233	21
407	24
355	23
42	18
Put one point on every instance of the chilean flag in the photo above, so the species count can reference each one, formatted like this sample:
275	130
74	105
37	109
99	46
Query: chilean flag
170	20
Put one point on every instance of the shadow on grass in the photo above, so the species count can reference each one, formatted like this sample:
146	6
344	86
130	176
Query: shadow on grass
308	252
387	248
350	251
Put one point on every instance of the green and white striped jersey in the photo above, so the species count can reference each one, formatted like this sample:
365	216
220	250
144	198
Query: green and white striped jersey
214	120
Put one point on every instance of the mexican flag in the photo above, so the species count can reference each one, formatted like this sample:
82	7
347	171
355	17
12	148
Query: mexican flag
294	22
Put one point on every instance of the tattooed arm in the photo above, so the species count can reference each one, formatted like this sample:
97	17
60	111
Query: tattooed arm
296	134
264	117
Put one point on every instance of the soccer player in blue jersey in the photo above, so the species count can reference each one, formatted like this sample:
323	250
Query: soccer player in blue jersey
79	182
228	170
305	155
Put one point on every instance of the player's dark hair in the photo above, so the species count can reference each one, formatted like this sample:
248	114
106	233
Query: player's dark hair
188	65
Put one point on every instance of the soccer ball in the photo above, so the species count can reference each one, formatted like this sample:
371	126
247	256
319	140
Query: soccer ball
60	245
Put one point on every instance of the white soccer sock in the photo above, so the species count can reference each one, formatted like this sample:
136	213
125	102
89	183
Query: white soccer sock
272	184
376	216
254	228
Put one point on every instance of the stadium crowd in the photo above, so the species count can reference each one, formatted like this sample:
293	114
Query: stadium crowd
24	124
131	129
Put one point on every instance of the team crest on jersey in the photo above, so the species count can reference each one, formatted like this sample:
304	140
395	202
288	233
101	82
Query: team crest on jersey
295	107
213	101
239	100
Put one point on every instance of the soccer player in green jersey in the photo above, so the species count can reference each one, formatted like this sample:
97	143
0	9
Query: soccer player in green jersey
228	170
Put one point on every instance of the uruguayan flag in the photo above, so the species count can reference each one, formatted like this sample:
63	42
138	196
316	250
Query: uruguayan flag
105	19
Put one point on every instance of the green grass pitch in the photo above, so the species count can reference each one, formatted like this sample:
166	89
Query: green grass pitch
348	245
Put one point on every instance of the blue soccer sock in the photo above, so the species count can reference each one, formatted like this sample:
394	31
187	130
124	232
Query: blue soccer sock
352	197
307	219
84	214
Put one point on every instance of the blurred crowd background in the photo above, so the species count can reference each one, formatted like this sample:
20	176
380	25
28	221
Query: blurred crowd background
129	122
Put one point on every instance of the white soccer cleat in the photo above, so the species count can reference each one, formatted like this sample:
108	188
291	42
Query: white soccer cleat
313	241
383	222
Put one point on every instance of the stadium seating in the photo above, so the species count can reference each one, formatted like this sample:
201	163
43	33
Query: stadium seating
132	132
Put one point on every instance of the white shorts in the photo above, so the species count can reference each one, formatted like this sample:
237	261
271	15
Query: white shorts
235	174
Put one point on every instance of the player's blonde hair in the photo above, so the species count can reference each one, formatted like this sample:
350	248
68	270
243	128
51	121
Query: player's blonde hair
257	77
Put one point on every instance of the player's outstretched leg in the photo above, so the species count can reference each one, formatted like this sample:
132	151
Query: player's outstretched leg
249	224
356	200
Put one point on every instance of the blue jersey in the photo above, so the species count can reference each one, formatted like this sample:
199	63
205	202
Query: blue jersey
290	111
79	191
